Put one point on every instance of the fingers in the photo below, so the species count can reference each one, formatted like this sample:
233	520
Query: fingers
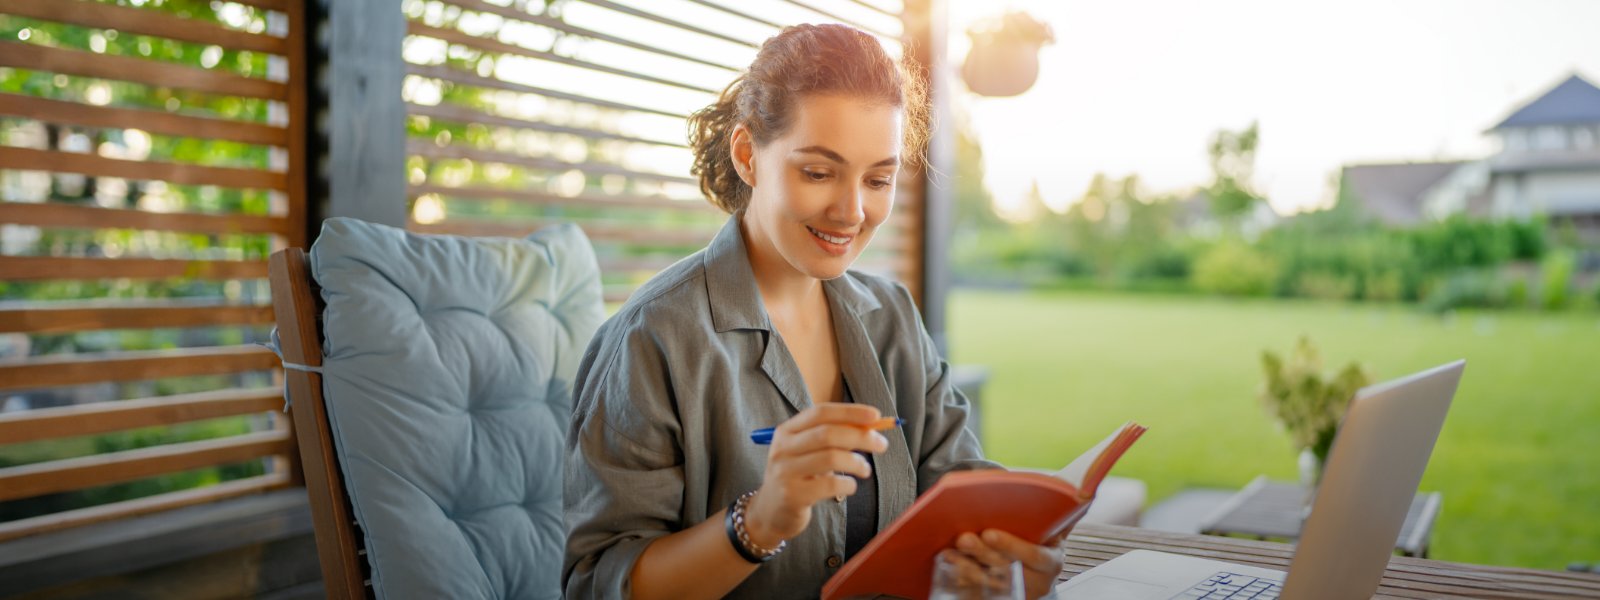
822	462
803	493
970	544
836	413
1035	557
829	436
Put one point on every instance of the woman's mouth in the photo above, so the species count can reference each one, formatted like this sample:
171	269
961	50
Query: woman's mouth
831	243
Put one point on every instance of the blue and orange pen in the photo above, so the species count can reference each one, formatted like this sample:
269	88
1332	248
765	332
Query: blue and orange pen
763	436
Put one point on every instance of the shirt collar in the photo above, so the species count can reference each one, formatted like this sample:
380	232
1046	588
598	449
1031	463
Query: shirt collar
731	284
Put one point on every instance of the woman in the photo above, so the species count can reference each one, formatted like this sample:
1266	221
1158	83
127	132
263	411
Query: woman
666	495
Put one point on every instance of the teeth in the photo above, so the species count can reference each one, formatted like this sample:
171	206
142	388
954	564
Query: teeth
828	238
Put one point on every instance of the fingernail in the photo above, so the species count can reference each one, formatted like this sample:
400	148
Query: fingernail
991	536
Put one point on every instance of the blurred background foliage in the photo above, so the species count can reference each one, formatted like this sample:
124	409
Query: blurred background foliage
107	192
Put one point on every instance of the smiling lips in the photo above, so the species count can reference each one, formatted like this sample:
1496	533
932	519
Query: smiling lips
833	244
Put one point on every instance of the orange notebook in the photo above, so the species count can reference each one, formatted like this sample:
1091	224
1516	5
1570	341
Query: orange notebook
1033	506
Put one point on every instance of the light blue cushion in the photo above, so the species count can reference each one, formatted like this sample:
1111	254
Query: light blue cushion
448	366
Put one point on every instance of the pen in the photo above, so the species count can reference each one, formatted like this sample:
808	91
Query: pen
763	436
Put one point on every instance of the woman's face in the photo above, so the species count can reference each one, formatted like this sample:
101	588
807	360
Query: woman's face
820	191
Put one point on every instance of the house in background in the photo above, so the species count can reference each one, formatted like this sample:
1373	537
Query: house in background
1549	158
1409	194
1547	162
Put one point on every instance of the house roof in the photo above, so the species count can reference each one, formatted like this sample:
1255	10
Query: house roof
1574	101
1393	192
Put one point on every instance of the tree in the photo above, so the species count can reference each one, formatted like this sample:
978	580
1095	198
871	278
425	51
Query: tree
1233	163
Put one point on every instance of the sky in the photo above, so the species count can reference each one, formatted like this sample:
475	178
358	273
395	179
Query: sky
1140	86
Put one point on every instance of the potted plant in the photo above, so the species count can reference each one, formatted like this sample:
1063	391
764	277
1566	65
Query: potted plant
1004	59
1308	403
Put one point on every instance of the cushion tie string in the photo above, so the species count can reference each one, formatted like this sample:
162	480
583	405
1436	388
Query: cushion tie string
276	346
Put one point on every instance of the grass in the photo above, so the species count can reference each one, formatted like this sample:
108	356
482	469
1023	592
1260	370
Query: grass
1518	460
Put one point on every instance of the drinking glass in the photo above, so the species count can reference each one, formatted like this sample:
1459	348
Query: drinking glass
959	577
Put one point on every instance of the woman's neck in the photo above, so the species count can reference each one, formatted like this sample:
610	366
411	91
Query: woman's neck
785	292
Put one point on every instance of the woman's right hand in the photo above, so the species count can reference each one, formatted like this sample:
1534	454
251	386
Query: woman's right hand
812	458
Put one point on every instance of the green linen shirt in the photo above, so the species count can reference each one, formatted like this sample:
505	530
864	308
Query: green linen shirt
671	387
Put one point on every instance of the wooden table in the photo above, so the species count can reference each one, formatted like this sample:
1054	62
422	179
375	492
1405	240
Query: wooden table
1273	509
1090	545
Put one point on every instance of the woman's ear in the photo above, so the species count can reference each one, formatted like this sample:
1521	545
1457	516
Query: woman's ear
742	148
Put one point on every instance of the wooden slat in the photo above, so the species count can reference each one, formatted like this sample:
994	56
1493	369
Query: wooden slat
473	117
428	149
78	216
20	268
548	199
618	294
873	7
738	13
37	479
277	5
79	369
490	45
635	264
142	21
29	159
597	232
559	25
164	123
444	73
137	70
141	506
810	6
628	10
121	415
300	124
66	317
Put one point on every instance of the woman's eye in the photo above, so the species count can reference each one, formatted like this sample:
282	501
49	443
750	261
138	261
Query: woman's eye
816	175
879	184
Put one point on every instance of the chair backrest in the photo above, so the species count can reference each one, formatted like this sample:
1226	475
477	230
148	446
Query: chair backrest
431	437
297	306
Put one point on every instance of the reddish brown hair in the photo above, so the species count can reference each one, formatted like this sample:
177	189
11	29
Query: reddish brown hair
799	61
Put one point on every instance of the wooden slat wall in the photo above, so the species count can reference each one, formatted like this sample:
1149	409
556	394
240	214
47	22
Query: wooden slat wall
520	117
202	220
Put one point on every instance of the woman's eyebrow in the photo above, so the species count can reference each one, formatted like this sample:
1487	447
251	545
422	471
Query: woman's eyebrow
835	157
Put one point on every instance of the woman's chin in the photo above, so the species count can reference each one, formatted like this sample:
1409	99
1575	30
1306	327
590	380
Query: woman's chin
827	268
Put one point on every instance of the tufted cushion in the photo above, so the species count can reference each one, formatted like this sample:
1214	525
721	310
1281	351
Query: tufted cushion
448	371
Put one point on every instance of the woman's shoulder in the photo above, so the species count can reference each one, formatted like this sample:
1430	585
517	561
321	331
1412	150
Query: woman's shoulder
671	298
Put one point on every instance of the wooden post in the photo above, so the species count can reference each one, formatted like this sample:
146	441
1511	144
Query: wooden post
925	23
360	149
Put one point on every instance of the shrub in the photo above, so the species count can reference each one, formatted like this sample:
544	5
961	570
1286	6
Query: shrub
1232	268
1325	286
1387	286
1517	292
1465	289
1555	279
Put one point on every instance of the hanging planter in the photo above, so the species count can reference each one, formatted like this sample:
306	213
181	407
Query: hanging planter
1004	59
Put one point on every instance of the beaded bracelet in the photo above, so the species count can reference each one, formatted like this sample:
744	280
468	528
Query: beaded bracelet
740	538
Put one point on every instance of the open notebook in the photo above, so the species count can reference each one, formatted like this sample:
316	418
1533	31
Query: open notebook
1033	506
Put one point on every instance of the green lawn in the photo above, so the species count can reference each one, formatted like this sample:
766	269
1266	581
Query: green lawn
1518	461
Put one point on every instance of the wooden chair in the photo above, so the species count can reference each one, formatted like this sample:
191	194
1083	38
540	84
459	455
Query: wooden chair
297	305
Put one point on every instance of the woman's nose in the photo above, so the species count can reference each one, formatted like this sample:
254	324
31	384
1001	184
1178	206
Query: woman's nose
849	208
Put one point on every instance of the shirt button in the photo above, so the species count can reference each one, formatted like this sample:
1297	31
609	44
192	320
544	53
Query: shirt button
834	561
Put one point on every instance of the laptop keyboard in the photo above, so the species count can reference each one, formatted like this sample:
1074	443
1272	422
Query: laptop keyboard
1234	587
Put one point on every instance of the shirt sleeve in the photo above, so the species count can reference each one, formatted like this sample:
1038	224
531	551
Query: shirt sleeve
624	468
947	445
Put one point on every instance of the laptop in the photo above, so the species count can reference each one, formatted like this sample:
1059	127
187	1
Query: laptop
1372	474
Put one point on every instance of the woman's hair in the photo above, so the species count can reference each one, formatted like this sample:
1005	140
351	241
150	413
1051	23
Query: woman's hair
801	60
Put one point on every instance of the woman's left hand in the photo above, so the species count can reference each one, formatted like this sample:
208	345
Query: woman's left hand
1041	564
